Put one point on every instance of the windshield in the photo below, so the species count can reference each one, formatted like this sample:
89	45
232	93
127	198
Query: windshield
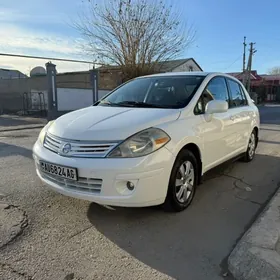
157	92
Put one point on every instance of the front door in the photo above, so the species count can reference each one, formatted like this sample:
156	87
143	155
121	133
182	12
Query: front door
219	132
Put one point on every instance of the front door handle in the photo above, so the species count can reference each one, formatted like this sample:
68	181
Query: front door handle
232	118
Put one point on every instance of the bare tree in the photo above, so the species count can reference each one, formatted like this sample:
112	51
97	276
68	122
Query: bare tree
274	70
134	34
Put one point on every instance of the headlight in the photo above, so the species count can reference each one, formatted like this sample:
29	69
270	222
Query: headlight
43	132
141	144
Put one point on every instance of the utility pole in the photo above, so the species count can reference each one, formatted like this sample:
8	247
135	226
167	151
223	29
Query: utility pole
244	61
249	66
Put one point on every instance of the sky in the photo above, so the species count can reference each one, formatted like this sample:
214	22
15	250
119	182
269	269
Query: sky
45	28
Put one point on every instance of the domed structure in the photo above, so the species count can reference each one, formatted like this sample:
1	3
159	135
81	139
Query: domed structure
38	71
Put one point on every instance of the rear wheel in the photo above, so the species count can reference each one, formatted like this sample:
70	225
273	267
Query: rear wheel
182	182
251	149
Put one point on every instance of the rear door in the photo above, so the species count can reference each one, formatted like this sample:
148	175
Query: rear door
239	113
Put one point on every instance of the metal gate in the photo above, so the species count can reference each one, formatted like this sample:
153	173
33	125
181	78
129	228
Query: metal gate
34	103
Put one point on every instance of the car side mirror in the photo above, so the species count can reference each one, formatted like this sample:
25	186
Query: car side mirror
216	106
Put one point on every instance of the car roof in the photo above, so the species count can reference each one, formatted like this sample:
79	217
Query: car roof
198	73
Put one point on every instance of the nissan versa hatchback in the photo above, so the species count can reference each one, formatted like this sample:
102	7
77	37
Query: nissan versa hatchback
149	141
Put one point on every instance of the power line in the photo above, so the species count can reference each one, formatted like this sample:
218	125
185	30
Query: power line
233	62
49	58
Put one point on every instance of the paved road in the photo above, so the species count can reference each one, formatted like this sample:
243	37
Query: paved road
73	239
10	122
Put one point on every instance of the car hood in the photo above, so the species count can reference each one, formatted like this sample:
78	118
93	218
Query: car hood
109	123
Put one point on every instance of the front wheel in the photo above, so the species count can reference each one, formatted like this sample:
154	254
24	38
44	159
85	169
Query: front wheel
251	149
182	182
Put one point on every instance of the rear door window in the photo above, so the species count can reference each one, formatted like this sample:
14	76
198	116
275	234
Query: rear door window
237	95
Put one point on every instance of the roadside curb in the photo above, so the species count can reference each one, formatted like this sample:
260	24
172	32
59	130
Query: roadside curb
22	128
257	255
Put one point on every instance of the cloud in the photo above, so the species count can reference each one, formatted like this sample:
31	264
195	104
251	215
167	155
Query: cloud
18	40
25	65
13	38
12	15
39	29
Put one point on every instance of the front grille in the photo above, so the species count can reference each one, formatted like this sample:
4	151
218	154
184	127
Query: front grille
86	149
83	184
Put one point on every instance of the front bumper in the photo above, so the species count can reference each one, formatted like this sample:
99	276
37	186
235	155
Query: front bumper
149	174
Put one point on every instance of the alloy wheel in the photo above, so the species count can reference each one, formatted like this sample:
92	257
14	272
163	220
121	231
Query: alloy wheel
252	145
184	182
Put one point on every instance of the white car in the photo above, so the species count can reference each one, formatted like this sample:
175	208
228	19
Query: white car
149	141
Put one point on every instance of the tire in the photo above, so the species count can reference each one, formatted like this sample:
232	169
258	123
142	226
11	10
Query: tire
182	190
251	149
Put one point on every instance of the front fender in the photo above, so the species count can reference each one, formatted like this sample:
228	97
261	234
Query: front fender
183	132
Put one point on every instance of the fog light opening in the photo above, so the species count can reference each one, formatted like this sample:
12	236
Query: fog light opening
130	186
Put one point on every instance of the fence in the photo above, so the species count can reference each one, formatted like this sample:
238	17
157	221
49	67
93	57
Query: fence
35	103
13	93
74	91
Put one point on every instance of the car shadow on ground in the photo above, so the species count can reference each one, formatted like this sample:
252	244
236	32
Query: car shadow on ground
193	244
7	150
6	121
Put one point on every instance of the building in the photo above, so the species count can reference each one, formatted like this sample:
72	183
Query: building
11	74
267	87
178	65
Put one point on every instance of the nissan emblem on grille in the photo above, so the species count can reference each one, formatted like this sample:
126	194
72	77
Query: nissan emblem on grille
78	148
66	148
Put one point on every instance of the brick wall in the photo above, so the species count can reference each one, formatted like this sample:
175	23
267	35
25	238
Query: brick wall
108	79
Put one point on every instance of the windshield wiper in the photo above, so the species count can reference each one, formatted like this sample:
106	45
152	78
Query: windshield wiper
109	103
139	104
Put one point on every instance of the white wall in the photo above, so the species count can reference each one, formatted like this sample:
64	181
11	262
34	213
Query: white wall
69	99
186	67
102	92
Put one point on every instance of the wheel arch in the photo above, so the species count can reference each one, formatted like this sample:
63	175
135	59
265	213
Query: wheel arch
197	153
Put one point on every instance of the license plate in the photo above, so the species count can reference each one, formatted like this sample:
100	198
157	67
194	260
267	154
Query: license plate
58	170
